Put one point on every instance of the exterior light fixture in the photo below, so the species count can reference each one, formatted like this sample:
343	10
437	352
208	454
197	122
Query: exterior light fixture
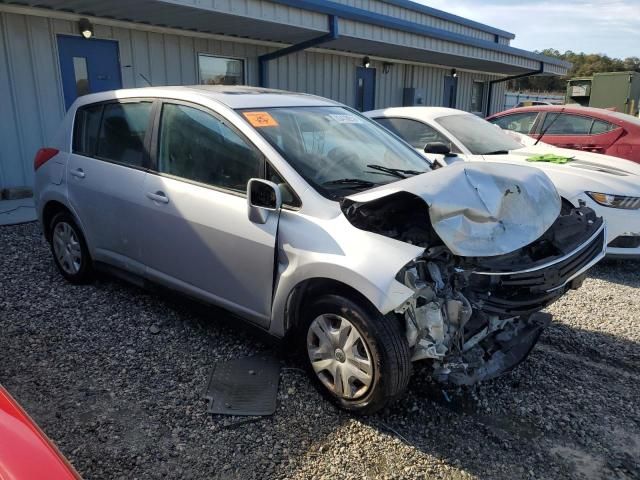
454	73
366	62
386	67
86	29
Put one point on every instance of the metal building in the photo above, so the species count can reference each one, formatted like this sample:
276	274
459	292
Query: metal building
365	53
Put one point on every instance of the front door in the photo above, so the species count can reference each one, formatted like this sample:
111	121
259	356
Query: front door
365	89
450	91
199	238
87	66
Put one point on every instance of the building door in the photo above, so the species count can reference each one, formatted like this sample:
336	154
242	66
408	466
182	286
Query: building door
450	92
88	66
365	88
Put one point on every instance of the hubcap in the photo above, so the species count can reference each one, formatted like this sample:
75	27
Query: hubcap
67	248
339	356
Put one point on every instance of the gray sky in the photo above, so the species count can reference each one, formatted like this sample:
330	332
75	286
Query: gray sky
611	27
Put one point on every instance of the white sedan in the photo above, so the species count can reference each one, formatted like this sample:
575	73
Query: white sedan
608	185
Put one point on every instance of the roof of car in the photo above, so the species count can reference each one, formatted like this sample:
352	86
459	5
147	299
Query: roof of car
602	113
233	96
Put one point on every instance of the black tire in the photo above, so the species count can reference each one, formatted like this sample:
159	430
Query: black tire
386	344
85	271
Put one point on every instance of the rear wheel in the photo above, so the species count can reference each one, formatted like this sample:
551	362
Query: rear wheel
358	358
69	249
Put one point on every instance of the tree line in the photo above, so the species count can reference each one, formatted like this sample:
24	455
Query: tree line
584	65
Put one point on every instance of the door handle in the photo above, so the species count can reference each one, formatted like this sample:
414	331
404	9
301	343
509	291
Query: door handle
159	196
78	173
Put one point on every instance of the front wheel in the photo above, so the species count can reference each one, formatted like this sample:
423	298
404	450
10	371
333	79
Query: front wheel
358	358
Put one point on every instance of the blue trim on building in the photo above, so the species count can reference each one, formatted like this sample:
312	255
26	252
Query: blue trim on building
357	14
434	12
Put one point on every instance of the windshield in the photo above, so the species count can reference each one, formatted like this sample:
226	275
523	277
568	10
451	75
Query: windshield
336	150
477	135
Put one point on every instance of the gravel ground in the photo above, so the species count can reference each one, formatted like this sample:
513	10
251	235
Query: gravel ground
115	374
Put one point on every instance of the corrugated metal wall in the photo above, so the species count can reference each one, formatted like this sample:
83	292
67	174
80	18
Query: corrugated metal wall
334	76
31	90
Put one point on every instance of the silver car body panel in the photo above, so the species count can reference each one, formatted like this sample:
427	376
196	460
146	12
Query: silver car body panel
316	241
481	209
256	278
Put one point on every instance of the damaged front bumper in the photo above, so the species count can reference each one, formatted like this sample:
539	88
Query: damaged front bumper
475	319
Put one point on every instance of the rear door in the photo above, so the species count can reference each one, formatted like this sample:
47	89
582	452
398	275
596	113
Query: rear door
106	172
578	132
198	237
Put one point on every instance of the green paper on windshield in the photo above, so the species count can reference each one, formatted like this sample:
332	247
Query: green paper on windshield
549	157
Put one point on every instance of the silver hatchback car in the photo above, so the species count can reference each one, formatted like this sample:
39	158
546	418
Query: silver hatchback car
314	223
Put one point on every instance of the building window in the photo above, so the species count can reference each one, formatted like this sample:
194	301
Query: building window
477	96
220	70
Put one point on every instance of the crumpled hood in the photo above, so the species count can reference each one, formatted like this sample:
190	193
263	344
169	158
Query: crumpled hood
481	209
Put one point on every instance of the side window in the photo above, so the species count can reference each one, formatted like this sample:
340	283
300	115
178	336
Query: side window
518	122
416	133
85	129
197	146
600	126
567	124
124	126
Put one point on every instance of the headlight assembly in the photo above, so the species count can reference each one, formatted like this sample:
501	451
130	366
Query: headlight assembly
615	201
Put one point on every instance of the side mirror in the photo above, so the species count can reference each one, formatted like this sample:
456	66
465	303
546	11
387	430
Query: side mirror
437	148
263	197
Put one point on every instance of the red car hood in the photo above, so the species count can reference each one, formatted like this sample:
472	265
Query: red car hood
25	451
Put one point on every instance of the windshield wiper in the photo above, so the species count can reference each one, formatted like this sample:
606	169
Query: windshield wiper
396	172
354	182
497	152
545	129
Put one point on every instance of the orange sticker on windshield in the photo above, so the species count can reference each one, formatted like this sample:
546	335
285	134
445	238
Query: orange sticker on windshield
260	119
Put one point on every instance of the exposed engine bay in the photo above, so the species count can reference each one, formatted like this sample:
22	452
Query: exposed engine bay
475	318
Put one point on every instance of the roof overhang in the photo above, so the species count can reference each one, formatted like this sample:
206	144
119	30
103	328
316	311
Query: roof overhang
421	43
399	52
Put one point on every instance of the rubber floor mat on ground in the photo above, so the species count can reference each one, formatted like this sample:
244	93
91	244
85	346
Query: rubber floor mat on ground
244	386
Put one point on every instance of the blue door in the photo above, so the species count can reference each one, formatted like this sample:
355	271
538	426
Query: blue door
450	92
88	66
365	88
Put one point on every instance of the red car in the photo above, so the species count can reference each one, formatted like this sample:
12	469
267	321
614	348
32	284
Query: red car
25	451
580	128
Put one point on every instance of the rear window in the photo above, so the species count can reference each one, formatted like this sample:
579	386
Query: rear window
85	130
600	126
122	132
566	124
112	131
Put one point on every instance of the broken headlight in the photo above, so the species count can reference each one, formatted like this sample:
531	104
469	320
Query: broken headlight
615	201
